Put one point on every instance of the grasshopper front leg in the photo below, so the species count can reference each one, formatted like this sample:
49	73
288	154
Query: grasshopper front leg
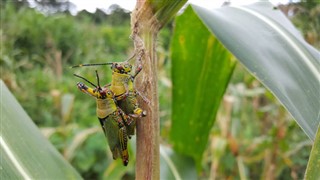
146	100
138	70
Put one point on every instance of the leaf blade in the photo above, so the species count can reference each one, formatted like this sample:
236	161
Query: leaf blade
176	166
166	9
36	156
201	69
313	167
274	54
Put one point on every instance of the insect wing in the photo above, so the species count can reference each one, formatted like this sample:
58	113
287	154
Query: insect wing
111	129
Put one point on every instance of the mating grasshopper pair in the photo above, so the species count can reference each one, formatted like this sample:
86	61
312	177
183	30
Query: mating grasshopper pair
117	106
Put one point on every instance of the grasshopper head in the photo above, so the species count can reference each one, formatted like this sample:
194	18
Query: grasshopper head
123	67
104	93
101	94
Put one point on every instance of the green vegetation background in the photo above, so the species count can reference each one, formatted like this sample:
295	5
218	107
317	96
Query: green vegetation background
37	50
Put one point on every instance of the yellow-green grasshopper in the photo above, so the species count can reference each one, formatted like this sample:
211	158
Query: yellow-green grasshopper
112	119
123	88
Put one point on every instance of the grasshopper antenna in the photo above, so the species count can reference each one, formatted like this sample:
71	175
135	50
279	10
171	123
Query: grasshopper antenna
85	80
100	64
93	64
98	79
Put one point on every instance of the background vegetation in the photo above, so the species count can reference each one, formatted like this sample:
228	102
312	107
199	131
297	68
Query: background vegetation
39	46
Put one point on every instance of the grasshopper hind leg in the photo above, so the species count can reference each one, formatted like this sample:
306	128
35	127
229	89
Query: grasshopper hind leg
123	144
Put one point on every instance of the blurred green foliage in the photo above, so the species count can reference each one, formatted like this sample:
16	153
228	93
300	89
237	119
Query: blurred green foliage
253	134
305	16
36	53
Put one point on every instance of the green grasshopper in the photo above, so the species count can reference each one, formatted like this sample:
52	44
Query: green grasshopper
123	89
112	119
122	86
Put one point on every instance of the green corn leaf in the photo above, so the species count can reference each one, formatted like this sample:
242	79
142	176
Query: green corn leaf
175	166
313	167
269	46
201	69
166	9
264	41
25	153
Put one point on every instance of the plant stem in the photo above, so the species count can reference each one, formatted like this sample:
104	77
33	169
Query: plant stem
144	33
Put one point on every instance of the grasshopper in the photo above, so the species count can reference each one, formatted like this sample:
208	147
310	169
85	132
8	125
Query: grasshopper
112	119
123	88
